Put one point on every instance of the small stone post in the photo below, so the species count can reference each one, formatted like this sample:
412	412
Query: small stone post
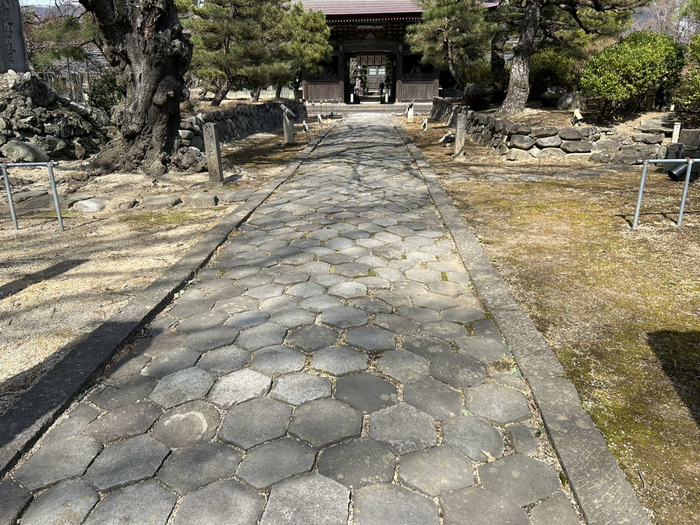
460	137
213	153
13	52
676	132
288	124
411	115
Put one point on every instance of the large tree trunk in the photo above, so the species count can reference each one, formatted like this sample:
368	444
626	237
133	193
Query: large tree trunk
221	93
143	39
519	85
498	56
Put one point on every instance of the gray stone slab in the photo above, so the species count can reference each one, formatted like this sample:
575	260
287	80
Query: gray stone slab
425	346
123	391
124	422
404	428
299	388
344	317
387	504
418	315
224	360
13	500
274	461
145	503
320	303
403	366
236	305
306	289
154	346
348	290
212	338
248	319
339	360
268	334
473	437
366	392
392	298
131	364
187	425
556	509
293	318
266	291
436	471
277	360
434	301
499	404
482	506
462	315
220	502
485	349
523	440
434	398
312	338
171	362
371	339
183	386
371	306
68	502
457	370
396	324
126	462
255	422
160	201
72	424
202	321
310	499
325	421
238	387
445	330
190	468
520	479
57	461
358	462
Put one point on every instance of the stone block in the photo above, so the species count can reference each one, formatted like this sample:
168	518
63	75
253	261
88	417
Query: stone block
473	437
570	134
518	155
90	205
190	468
497	403
68	502
218	502
274	461
519	479
436	471
299	388
550	141
143	503
576	146
388	503
358	462
521	142
187	425
255	422
325	421
403	428
238	387
482	506
202	200
548	131
183	386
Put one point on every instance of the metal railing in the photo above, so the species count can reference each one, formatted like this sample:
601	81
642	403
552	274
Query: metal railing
50	165
679	162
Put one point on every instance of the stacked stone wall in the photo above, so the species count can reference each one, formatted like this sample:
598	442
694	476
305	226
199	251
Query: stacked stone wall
517	142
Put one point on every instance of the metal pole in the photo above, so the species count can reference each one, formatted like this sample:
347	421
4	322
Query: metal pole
641	192
685	191
55	196
9	197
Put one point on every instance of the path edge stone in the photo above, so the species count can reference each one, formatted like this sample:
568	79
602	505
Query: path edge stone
32	414
599	485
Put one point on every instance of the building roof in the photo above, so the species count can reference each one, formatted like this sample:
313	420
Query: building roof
363	7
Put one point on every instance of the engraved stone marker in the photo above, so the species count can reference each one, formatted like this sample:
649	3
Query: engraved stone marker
460	137
13	53
213	153
287	116
411	114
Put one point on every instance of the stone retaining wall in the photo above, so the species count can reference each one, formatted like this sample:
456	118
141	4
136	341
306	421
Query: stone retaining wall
239	122
521	142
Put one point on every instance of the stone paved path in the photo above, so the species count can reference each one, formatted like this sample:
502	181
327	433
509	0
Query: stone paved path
331	365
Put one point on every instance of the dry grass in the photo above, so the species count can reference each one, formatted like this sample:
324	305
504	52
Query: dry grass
620	308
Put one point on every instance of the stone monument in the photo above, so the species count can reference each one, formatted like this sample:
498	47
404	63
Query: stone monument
13	53
213	153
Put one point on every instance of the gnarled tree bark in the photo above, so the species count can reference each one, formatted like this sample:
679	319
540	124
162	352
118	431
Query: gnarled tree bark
144	40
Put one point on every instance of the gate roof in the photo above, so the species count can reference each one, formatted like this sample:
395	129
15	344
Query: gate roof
363	7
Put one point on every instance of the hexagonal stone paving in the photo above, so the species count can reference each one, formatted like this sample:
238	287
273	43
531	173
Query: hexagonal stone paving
181	387
366	392
436	471
312	338
275	461
57	461
434	398
348	290
339	360
212	338
224	360
482	506
473	437
187	424
358	462
239	386
311	499
404	366
127	462
145	502
171	362
218	502
344	317
325	421
300	388
519	479
277	360
123	422
403	428
123	391
457	370
371	339
497	403
260	336
254	422
189	468
386	504
68	502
